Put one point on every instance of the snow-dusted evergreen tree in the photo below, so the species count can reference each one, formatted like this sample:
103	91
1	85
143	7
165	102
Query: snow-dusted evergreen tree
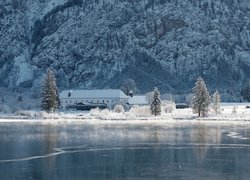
156	103
201	98
216	102
50	98
234	111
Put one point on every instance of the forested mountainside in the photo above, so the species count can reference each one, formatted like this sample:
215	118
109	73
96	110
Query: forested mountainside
99	43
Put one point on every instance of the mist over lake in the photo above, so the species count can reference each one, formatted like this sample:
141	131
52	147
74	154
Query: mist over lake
124	150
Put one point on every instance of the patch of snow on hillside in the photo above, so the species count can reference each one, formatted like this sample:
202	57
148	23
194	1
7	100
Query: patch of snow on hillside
24	70
51	5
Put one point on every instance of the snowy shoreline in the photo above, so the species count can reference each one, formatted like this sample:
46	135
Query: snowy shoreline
145	120
137	115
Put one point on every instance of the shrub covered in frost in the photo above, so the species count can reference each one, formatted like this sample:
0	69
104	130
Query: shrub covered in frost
168	106
105	112
45	115
119	109
140	111
94	112
42	114
30	114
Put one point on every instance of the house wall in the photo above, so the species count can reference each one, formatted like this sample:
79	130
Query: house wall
110	102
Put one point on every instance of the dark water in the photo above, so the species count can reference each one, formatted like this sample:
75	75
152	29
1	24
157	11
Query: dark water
149	151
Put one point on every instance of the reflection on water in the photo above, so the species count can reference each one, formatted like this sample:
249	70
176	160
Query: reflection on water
51	138
124	151
205	136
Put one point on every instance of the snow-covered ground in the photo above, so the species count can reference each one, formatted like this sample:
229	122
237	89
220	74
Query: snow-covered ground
230	112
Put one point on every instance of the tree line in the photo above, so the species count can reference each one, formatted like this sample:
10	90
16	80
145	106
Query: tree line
201	100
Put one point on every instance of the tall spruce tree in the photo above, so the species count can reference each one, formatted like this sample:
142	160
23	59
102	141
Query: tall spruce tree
156	103
50	98
216	102
201	98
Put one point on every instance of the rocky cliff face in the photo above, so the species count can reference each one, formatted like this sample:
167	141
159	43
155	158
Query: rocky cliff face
98	43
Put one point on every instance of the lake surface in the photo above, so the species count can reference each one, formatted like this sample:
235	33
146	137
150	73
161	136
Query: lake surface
114	150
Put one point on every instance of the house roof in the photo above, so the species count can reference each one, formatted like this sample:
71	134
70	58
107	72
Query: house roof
138	100
99	93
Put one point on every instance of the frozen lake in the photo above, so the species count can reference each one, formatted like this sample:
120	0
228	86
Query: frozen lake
113	150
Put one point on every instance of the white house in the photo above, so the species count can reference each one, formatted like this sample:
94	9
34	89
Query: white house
108	97
138	100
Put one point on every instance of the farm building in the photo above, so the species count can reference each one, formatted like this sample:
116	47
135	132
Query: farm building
87	99
137	100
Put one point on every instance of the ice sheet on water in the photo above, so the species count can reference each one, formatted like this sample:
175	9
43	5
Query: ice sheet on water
236	135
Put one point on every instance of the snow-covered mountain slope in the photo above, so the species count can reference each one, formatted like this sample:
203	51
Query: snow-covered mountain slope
94	44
